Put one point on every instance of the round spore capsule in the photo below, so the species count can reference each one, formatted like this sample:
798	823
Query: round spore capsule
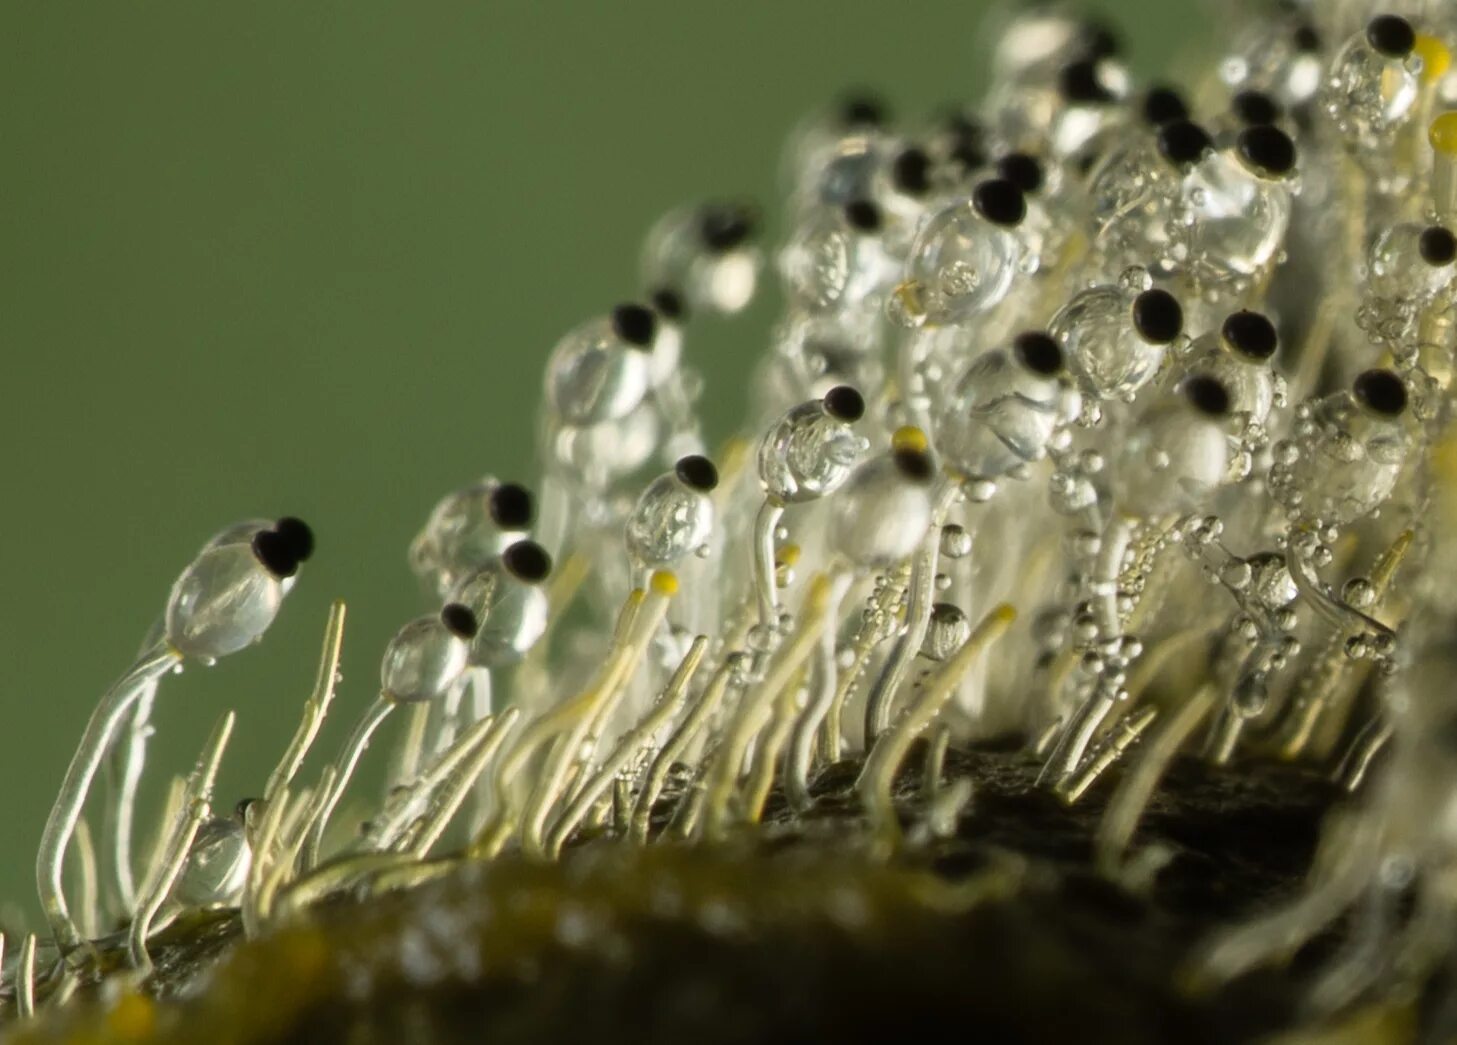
1250	334
275	552
527	561
1437	245
1238	356
862	110
1163	105
1022	170
1267	150
1039	353
511	607
697	473
1079	82
1344	466
1100	39
964	261
1410	268
1176	457
1372	86
1157	316
467	528
1381	392
1391	35
911	172
1000	202
460	620
844	403
634	324
298	534
915	465
669	304
725	226
1183	142
1207	395
700	258
511	506
1254	108
965	141
863	216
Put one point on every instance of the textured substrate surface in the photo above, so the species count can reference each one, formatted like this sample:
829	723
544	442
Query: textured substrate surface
1002	933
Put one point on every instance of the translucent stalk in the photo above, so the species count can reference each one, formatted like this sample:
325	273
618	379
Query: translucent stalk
766	758
1320	682
1335	612
132	760
765	523
672	698
25	979
593	705
108	717
920	598
822	696
344	766
405	804
1367	745
1121	738
316	708
459	784
417	723
1126	807
493	835
154	893
159	883
878	774
935	761
675	748
723	774
88	915
866	639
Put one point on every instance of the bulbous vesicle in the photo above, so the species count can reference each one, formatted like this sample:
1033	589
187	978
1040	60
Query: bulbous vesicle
230	594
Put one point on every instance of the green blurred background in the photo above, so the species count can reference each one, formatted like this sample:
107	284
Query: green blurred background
309	257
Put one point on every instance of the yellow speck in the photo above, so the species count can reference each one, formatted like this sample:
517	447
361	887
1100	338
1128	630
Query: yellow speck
910	438
1006	613
134	1016
1443	134
908	295
788	555
1436	58
664	582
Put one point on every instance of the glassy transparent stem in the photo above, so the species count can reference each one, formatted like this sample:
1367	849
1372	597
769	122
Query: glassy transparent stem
106	720
765	523
345	765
